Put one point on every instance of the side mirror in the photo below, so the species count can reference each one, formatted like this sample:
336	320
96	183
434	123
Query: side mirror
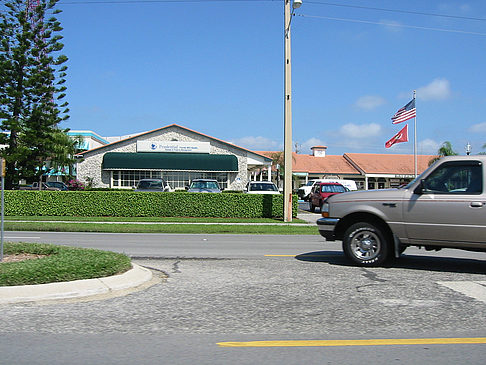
419	190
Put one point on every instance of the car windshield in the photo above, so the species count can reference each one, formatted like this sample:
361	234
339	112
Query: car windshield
263	187
333	189
310	183
204	185
150	184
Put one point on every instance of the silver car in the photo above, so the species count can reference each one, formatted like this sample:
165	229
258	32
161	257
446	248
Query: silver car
152	185
261	187
204	186
445	207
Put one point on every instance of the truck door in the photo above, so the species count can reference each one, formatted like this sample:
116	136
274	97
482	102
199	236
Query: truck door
450	206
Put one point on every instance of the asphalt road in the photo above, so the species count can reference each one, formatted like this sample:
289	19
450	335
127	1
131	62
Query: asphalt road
231	288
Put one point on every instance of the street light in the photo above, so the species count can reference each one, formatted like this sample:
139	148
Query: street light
287	193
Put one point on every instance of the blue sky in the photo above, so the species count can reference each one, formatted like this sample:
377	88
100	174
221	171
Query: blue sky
217	67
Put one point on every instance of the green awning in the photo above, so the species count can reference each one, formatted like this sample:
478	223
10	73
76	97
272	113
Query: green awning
169	161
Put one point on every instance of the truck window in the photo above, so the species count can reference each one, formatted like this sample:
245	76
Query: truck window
454	178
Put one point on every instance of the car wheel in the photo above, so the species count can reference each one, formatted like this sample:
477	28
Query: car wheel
366	245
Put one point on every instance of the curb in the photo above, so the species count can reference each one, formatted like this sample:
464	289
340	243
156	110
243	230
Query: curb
76	289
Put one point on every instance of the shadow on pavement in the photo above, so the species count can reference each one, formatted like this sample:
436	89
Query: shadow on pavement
408	262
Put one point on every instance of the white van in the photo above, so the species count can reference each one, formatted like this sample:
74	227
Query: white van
304	191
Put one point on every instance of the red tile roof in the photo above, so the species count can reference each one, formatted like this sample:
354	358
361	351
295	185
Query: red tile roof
356	163
388	163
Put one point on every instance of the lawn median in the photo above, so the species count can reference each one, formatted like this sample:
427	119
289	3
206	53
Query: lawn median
160	225
45	263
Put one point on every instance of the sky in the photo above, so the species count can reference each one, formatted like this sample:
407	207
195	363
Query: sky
217	67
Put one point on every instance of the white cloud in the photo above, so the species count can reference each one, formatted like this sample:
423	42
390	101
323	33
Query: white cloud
356	131
478	128
428	146
305	147
369	102
258	143
438	89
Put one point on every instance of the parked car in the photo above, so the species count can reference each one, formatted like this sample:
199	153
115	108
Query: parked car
445	207
261	187
204	186
152	185
35	186
321	191
57	184
305	190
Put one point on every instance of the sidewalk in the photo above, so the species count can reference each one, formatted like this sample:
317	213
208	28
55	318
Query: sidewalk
110	286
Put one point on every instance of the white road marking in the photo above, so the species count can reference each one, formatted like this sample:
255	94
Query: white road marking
473	289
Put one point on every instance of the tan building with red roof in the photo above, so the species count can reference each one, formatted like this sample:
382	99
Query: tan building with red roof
369	171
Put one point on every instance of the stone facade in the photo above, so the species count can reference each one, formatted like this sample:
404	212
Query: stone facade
89	167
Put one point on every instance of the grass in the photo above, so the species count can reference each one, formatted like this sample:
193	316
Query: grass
156	225
160	228
61	263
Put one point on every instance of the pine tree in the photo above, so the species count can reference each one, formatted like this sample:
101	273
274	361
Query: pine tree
31	88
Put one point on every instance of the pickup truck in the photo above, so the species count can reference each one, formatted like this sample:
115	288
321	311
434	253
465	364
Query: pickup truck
35	186
444	207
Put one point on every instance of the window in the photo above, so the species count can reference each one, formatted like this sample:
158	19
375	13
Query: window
176	179
456	178
333	189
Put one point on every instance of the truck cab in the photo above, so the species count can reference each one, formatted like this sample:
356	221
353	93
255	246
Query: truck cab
445	207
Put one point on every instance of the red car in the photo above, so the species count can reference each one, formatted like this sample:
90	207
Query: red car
321	191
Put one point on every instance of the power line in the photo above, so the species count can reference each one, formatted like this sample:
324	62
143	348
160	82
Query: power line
92	2
396	11
392	24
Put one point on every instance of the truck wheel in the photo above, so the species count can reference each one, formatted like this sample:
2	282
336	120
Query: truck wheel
366	245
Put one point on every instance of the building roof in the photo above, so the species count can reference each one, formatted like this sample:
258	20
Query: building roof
167	127
388	163
356	163
329	164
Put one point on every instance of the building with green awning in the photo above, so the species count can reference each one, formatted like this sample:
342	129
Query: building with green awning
174	153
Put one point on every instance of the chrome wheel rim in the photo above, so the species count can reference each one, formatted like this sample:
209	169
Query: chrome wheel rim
365	245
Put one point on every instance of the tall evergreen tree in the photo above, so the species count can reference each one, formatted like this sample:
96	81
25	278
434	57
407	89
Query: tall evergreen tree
31	88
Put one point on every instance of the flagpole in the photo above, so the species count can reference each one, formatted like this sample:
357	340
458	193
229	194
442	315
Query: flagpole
415	137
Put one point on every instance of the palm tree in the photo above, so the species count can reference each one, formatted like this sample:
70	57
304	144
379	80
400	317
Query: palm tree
444	150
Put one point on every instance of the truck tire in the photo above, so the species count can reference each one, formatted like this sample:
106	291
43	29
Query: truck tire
366	245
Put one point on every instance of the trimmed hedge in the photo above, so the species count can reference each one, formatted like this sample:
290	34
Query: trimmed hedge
143	204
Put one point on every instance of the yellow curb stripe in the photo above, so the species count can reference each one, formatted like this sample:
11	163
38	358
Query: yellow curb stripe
376	342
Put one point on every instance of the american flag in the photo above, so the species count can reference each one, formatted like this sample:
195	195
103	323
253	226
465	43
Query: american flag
405	113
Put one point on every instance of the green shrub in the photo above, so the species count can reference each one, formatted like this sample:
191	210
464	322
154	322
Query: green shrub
143	204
